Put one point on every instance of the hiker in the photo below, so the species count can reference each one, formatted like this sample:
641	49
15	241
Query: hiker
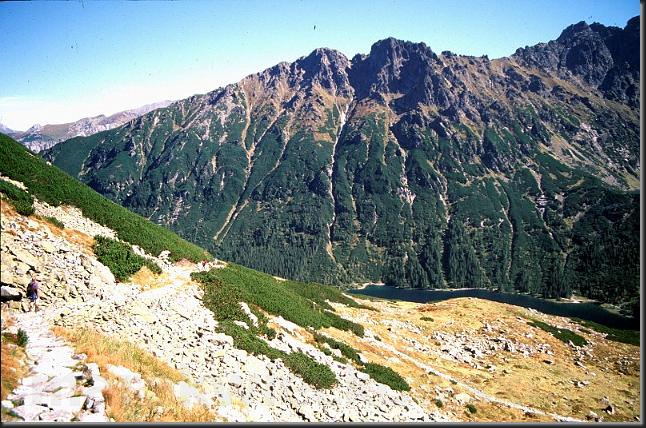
204	263
32	293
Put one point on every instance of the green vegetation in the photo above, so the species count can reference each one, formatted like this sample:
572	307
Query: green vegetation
630	337
387	376
120	258
236	283
471	408
55	221
22	338
495	205
53	186
346	350
427	319
316	374
294	301
439	403
562	334
21	200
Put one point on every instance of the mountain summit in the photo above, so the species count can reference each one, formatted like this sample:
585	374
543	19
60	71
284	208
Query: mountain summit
404	166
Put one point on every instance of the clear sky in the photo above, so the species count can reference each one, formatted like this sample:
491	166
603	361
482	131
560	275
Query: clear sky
62	61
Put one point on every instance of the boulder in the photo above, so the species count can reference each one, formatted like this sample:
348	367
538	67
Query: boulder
10	293
29	412
26	257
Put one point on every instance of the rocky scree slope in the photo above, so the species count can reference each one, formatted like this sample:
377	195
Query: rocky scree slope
171	322
404	166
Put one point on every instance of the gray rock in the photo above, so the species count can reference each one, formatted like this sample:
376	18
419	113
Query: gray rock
10	293
29	412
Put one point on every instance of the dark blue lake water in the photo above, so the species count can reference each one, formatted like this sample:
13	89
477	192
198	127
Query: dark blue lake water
585	311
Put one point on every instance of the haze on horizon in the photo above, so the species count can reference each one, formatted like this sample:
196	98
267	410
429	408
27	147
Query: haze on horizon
65	61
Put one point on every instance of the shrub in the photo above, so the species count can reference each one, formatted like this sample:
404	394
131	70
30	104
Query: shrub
471	408
120	258
562	334
22	338
427	319
234	283
630	337
439	403
55	222
21	200
387	376
346	350
316	374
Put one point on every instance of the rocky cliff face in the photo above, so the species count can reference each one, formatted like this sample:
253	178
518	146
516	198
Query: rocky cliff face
42	137
606	58
403	165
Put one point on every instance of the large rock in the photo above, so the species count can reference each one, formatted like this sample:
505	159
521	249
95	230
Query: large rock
26	257
10	293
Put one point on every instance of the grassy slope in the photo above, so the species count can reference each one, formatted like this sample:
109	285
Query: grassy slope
55	187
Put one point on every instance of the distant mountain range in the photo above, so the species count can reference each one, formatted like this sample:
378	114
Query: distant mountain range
404	166
41	137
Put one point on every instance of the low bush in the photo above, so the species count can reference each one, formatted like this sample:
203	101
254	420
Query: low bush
22	338
562	334
471	408
120	258
316	374
630	337
439	403
21	200
234	283
387	376
56	222
346	350
427	319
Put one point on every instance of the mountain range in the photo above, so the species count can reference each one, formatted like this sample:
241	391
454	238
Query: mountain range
42	137
403	165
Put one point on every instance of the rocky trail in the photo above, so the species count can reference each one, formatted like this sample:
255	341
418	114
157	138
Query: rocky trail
60	386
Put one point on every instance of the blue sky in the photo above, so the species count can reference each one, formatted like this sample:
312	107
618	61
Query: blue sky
66	60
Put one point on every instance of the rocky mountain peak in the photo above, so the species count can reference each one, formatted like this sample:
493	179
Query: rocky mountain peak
393	66
580	28
603	57
326	67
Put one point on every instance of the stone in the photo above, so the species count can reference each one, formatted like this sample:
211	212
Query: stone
57	415
48	247
592	416
93	417
10	293
189	395
362	376
64	381
7	404
235	380
463	398
610	409
29	412
26	257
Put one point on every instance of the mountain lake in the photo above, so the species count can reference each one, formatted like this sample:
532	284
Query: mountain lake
585	311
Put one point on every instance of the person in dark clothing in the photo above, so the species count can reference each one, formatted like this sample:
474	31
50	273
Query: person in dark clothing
32	293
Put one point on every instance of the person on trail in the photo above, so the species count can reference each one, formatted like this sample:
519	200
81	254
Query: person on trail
32	293
204	263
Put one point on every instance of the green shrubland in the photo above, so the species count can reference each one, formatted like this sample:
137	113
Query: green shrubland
563	334
21	200
120	258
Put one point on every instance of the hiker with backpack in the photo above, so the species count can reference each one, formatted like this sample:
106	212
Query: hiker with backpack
32	293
